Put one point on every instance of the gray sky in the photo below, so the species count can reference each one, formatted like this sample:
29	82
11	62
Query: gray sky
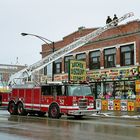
52	19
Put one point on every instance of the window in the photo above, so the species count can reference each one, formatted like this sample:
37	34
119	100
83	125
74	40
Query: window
94	60
81	57
52	90
79	90
110	57
45	70
66	65
57	66
127	55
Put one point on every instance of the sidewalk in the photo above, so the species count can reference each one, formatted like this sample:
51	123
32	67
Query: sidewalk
118	114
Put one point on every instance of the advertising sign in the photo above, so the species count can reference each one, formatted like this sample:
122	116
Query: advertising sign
114	73
110	104
104	104
137	100
137	87
117	105
77	70
131	106
123	105
98	104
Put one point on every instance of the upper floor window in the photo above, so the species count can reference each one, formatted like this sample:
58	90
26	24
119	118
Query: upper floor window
81	56
94	60
66	62
57	66
110	57
127	55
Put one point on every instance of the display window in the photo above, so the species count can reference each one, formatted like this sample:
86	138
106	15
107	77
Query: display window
114	90
108	86
125	90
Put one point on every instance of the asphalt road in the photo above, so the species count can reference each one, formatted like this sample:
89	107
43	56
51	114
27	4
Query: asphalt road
67	128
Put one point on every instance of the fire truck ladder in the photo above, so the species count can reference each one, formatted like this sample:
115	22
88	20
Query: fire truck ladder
28	72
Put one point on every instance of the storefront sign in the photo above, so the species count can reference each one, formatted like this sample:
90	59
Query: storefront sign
62	77
123	105
114	74
77	70
137	100
131	106
110	104
104	104
98	104
117	105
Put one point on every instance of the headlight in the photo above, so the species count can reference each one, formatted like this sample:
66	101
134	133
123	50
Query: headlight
75	103
91	104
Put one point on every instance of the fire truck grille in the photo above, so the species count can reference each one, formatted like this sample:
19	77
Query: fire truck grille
83	103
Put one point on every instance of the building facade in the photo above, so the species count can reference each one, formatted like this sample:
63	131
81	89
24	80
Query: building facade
112	60
5	72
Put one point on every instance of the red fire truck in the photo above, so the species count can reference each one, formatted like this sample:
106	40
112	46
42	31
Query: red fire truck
54	98
4	96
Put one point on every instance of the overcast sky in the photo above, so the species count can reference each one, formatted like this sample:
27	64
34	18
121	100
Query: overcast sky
52	19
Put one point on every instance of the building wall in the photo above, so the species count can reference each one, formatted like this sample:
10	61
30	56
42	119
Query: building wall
113	87
119	35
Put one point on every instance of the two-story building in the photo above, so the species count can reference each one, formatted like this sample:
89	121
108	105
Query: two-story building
112	60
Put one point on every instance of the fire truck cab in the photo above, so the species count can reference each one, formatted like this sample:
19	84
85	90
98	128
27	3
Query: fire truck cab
55	99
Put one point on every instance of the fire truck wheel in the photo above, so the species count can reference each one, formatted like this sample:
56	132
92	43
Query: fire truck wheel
54	111
12	108
21	110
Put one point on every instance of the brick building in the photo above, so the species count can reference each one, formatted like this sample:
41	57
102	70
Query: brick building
112	59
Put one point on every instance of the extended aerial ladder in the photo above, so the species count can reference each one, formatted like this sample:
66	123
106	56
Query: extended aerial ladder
30	70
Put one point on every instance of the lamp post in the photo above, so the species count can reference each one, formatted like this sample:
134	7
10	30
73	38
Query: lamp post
45	40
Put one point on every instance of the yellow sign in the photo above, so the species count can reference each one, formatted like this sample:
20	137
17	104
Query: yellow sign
104	104
117	105
77	70
137	87
137	100
131	106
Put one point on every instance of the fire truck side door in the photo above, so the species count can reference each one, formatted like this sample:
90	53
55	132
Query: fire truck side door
36	98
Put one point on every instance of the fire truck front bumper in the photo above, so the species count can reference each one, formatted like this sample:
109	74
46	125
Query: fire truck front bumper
82	112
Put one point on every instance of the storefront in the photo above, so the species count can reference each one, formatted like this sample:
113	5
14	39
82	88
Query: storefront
115	88
123	89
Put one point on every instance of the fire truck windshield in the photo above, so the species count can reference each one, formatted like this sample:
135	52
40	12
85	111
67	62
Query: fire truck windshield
79	90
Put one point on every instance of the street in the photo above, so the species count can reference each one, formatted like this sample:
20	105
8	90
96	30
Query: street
88	128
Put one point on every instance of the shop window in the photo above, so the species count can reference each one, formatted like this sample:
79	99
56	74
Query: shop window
127	55
94	60
81	56
110	57
125	90
108	94
66	63
57	66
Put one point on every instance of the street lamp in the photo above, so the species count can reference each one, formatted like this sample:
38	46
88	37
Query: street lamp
45	40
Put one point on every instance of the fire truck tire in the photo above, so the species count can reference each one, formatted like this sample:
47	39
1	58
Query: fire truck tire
12	108
20	109
54	111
